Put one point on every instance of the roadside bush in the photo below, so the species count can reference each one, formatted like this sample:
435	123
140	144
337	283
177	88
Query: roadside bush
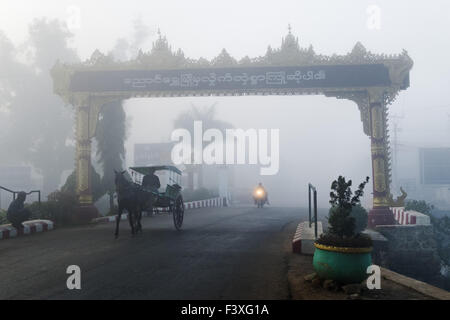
442	236
59	208
419	205
441	227
441	231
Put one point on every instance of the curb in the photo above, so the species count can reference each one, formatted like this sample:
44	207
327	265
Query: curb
30	227
215	202
419	286
304	238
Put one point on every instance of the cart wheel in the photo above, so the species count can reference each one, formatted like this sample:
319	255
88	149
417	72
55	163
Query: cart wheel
178	213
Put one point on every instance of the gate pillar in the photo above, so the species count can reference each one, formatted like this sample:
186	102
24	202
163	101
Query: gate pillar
87	111
381	213
86	210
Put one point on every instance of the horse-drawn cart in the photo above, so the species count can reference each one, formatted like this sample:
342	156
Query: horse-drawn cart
170	196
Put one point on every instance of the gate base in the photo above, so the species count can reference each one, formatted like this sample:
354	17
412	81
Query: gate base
380	216
84	214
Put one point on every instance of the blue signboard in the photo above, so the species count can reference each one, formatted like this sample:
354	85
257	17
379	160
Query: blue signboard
435	166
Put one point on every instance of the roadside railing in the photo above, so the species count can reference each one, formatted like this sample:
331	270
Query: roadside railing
14	193
314	194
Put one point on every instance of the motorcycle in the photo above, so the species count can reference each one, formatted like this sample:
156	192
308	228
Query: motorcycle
260	197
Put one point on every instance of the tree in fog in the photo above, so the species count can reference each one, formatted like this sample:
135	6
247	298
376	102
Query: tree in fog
128	48
39	125
111	127
111	136
9	69
208	118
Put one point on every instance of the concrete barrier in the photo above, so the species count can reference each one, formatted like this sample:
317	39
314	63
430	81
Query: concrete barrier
404	217
8	231
214	202
304	238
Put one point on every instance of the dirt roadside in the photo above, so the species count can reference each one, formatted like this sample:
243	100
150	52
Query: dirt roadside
393	286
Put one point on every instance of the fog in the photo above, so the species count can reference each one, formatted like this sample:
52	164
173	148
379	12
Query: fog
320	138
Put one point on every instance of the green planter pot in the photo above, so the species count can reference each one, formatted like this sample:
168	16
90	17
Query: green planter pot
344	265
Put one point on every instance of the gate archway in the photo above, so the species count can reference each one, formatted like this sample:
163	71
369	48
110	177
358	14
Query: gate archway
372	81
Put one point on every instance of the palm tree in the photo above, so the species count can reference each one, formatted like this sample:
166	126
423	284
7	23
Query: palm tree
208	117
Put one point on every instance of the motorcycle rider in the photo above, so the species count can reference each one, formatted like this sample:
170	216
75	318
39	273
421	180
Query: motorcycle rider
260	188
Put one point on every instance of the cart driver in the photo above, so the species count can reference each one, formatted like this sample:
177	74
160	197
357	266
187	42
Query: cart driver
151	182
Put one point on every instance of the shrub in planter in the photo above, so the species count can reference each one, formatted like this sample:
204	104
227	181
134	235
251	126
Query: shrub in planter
343	253
361	218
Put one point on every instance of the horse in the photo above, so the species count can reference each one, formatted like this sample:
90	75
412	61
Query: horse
130	197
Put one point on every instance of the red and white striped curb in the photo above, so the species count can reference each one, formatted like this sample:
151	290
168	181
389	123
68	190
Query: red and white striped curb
410	217
297	241
397	212
7	231
215	202
304	238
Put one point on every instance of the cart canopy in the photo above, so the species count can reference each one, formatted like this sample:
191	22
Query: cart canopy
147	170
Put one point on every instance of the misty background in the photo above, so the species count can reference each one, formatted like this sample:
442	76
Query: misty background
320	138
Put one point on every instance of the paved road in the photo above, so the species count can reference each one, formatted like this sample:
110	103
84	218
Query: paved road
221	253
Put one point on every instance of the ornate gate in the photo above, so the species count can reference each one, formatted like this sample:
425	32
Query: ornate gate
370	80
